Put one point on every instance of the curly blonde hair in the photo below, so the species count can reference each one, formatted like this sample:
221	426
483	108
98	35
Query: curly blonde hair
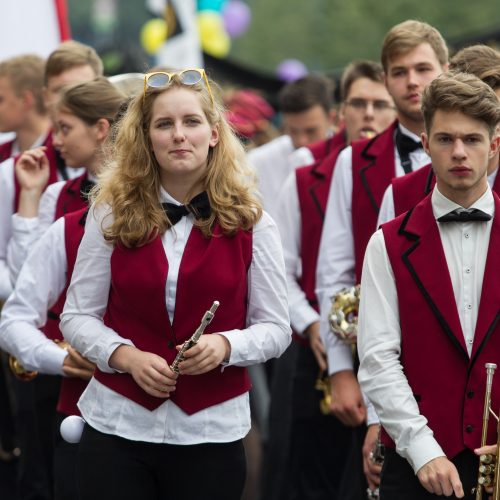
131	183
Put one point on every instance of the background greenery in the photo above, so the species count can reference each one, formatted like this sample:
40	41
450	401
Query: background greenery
323	34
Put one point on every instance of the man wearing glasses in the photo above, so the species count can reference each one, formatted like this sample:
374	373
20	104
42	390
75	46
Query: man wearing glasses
413	54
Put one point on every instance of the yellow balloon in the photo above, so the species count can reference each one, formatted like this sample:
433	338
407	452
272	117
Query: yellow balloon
153	35
213	36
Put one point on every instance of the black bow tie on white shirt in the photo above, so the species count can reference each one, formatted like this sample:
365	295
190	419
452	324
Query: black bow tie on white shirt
471	215
199	206
406	145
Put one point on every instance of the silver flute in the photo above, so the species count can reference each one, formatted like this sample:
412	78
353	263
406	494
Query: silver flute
205	321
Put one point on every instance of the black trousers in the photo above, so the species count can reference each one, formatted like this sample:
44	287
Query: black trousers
65	458
400	482
113	468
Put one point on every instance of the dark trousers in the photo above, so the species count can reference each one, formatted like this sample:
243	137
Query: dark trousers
110	467
400	481
65	458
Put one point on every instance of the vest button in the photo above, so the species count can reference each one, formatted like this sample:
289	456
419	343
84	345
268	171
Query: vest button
170	344
469	429
470	394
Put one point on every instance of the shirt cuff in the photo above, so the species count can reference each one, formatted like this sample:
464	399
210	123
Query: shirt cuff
300	322
104	367
422	451
52	360
339	357
239	347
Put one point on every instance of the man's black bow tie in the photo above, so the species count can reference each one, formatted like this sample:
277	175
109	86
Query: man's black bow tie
472	215
406	145
85	188
199	206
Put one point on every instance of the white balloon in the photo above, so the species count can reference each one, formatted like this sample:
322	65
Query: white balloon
72	428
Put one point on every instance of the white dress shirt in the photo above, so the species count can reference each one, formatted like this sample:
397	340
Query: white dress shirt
40	283
267	335
381	374
336	261
387	210
7	195
26	230
272	163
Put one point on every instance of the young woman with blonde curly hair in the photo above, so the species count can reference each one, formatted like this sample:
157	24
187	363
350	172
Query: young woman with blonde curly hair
175	226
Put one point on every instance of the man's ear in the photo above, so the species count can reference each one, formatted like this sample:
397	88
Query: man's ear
425	142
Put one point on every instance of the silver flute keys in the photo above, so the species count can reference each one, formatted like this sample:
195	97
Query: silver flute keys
205	321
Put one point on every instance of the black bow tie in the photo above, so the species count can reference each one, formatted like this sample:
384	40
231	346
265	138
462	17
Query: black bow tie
85	188
472	215
199	206
406	145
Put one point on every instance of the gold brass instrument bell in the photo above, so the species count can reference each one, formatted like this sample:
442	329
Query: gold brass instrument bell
489	465
22	373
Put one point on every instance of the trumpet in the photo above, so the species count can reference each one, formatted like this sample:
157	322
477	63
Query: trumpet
207	318
323	384
21	372
489	465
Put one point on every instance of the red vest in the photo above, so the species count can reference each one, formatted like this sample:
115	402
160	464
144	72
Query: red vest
321	149
313	186
70	198
211	269
373	167
53	177
448	386
410	189
71	388
6	150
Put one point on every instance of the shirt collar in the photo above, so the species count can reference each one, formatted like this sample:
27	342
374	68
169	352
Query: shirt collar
442	205
166	197
407	132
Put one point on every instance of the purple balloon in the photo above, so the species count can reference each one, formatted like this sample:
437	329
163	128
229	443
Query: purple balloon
236	15
291	69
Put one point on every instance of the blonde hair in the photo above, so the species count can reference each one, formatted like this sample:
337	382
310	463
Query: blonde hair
72	54
461	92
131	184
408	35
26	74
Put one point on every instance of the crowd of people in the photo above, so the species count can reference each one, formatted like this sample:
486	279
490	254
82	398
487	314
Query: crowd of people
133	220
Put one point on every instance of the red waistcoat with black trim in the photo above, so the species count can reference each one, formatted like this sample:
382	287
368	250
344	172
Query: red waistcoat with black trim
410	189
373	167
211	269
6	150
70	198
71	388
313	186
53	169
448	386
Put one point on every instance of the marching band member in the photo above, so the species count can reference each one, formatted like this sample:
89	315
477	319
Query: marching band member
405	192
30	317
319	443
148	268
429	303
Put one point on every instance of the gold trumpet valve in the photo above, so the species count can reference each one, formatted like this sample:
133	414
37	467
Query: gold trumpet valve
485	480
487	459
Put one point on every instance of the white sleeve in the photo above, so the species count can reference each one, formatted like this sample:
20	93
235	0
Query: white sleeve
387	208
87	298
336	264
289	223
40	283
6	210
381	374
268	333
300	157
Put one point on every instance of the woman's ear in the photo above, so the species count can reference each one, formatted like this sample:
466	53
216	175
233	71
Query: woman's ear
102	128
214	139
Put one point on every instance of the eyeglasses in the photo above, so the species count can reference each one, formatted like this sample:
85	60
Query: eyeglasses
162	79
361	104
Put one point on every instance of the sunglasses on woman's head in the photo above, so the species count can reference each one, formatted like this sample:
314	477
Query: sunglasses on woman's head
162	79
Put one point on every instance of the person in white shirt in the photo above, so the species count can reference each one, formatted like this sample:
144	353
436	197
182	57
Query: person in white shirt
413	54
147	270
22	106
429	303
482	61
308	116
